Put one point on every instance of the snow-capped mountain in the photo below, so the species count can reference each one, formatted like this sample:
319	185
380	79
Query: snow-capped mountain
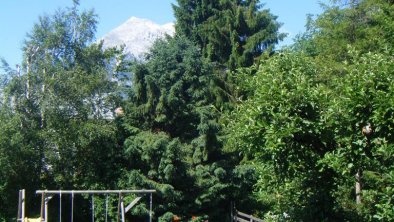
137	35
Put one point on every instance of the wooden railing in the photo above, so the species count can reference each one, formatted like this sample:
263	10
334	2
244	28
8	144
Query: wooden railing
242	217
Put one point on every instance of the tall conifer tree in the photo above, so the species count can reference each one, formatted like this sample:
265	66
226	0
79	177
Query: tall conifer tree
174	143
230	32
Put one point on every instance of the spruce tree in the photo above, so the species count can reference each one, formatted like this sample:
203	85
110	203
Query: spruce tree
231	33
173	144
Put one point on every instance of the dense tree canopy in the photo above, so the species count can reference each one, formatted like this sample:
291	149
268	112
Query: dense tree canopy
303	134
281	129
55	112
366	25
305	113
231	32
174	145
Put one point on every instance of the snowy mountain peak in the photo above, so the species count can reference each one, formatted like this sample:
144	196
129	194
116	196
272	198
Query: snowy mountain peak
138	35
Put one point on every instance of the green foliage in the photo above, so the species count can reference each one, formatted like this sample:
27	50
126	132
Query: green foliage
354	42
301	124
170	89
232	33
366	97
280	127
173	144
367	25
293	140
55	114
16	161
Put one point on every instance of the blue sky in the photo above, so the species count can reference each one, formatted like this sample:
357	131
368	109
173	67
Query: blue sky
17	17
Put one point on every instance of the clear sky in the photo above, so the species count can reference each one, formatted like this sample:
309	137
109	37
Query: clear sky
18	16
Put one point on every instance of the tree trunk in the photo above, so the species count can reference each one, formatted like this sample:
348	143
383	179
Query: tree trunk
358	186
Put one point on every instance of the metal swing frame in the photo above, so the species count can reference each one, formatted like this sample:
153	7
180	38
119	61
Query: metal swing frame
47	195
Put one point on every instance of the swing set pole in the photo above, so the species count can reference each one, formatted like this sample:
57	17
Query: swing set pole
106	208
150	208
92	208
60	207
72	207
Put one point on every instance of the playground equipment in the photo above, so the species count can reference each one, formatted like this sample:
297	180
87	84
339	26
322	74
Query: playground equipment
47	195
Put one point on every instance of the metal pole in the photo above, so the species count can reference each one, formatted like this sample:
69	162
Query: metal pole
21	205
72	207
60	207
42	206
106	208
150	208
46	209
118	209
92	208
122	207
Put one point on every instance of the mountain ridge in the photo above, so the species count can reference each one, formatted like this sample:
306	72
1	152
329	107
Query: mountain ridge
137	35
